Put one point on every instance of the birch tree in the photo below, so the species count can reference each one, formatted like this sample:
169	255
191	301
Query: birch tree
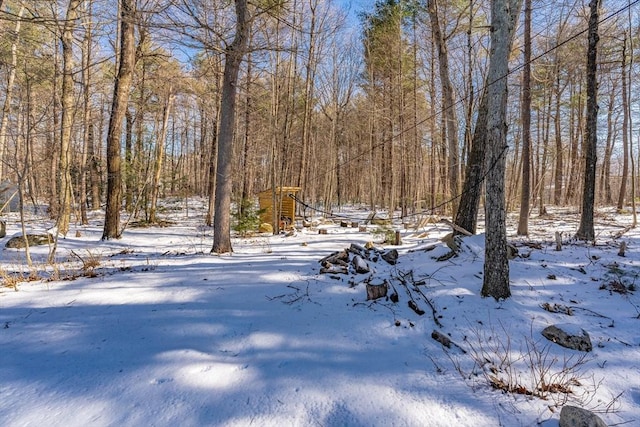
6	108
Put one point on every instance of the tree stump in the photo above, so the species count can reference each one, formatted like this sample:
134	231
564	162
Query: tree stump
558	241
377	291
398	239
623	248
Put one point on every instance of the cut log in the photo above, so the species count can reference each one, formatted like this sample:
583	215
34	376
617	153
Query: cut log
413	306
441	338
328	268
391	256
623	248
558	241
398	240
341	257
377	291
357	249
360	265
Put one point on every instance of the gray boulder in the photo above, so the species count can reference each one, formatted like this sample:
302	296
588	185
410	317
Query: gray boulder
572	416
18	242
569	336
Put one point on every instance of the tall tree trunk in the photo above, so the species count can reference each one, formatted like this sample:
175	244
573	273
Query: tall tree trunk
86	114
504	14
525	113
309	84
8	97
586	229
467	214
233	57
68	104
559	163
118	111
157	165
451	121
129	170
605	172
213	155
625	129
577	135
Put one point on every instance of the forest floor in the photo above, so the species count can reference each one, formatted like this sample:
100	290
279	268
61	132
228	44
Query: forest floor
152	329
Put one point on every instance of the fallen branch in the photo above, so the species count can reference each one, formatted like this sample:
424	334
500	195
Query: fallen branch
403	278
456	227
446	341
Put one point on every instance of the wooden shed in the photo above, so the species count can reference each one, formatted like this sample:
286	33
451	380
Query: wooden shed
284	204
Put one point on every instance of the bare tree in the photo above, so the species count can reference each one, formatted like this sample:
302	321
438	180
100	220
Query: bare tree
451	121
65	195
625	128
586	229
234	53
86	114
6	108
525	111
504	14
157	166
118	110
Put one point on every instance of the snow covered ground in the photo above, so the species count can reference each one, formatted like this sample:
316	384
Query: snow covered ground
162	333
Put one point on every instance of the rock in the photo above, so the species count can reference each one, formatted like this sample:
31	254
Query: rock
17	242
568	336
265	227
572	416
391	256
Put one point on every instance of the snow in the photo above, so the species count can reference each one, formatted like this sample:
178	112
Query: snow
163	333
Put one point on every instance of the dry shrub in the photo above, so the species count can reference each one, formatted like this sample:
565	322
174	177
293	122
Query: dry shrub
534	370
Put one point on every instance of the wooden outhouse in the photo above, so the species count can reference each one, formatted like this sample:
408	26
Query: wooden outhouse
284	204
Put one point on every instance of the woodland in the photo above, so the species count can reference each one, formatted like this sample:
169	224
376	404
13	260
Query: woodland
403	106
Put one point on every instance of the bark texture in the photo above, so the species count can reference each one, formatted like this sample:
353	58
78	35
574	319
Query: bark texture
586	230
118	111
496	265
233	57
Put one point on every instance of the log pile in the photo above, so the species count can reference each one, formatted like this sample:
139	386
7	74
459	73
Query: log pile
356	259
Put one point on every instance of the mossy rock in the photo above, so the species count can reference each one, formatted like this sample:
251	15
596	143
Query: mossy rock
17	242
